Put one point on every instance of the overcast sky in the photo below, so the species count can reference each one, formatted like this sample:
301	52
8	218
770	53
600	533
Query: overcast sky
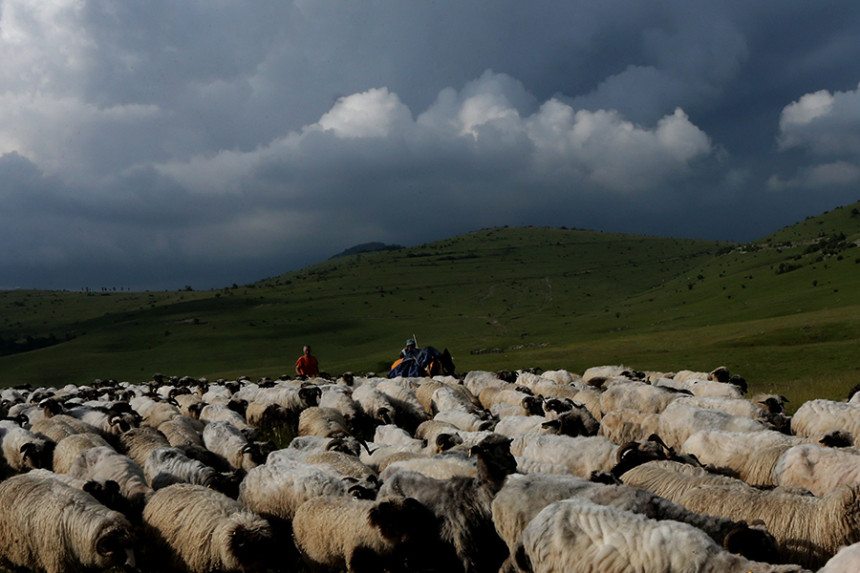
158	144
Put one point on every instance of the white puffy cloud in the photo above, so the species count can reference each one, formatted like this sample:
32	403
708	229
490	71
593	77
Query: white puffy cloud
598	149
824	123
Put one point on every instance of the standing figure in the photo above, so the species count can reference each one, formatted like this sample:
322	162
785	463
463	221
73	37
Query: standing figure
307	364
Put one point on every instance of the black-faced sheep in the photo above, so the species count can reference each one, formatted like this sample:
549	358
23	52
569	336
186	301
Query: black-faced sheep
340	533
166	466
463	504
103	464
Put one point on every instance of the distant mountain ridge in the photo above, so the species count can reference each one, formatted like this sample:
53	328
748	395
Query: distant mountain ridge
371	247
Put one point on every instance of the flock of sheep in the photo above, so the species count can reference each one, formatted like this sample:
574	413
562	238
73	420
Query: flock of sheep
612	471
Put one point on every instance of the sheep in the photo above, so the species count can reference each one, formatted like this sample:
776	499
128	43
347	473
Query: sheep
23	450
107	421
466	421
203	530
817	468
679	421
339	463
519	402
182	431
340	533
262	415
345	444
577	422
750	458
165	466
375	404
107	493
50	526
154	413
577	534
635	396
277	488
441	466
189	405
847	560
324	422
293	398
817	417
523	496
104	463
408	410
58	427
463	504
477	380
625	425
226	440
68	449
137	443
808	529
581	455
339	397
702	388
225	413
447	397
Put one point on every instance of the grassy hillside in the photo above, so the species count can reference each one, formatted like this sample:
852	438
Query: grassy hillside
781	311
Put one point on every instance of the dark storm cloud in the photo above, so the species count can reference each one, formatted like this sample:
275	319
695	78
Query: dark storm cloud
160	144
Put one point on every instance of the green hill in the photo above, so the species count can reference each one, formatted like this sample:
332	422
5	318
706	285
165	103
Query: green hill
782	311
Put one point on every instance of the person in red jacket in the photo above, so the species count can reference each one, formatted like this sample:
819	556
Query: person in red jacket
307	364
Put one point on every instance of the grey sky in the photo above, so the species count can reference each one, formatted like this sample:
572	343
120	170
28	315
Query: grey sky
169	143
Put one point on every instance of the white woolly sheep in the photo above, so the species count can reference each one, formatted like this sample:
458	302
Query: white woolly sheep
581	455
224	413
229	442
276	490
167	465
808	529
138	443
409	412
847	560
58	427
182	431
572	535
817	417
623	426
323	422
466	421
679	421
103	464
203	530
523	496
341	533
817	468
750	457
23	450
49	526
70	447
635	396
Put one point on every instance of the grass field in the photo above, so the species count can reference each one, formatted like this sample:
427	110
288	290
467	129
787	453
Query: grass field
781	311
